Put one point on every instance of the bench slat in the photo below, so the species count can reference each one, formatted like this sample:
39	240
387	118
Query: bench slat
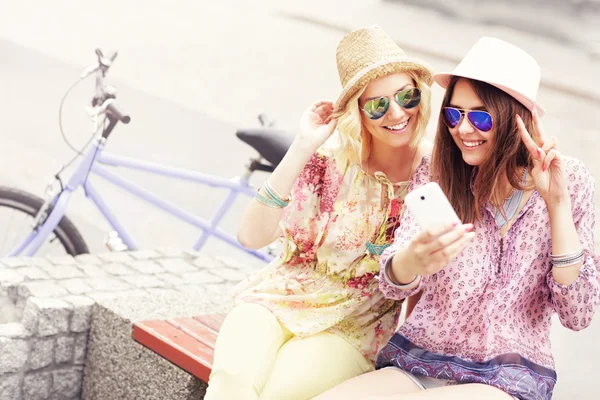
213	321
176	346
196	329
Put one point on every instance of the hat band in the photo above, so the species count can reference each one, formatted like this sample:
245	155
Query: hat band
368	69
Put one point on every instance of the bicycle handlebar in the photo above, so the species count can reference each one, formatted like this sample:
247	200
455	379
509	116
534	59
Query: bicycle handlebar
113	110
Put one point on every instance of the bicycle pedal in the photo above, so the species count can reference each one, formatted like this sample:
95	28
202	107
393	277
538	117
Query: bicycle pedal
113	242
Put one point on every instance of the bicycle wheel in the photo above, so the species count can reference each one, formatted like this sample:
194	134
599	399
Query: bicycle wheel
17	213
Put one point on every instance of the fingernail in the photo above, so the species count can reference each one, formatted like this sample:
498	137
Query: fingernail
469	227
544	168
539	152
455	224
518	116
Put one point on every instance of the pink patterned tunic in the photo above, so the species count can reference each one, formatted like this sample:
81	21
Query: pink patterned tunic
486	317
335	229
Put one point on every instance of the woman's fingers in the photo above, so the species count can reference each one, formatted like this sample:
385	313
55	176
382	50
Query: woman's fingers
432	247
457	247
537	124
324	111
448	238
550	143
425	236
323	114
534	150
551	156
320	103
446	255
436	242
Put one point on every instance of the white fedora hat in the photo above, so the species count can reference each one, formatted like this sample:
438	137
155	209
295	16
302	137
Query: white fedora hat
502	65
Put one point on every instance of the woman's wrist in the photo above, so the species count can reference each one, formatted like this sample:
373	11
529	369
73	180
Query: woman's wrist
304	146
559	212
565	241
399	272
297	156
558	204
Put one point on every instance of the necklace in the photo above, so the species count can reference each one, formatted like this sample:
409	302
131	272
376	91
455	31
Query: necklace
373	247
511	204
512	191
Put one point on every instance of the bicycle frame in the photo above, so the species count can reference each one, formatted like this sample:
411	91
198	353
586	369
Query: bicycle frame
89	164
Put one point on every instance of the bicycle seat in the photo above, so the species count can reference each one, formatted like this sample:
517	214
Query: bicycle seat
270	143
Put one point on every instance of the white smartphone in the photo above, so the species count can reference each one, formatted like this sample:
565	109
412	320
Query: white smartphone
430	206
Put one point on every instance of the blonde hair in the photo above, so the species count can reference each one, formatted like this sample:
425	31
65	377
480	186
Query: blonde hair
355	138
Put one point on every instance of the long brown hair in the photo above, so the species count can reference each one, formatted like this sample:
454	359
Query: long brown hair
508	154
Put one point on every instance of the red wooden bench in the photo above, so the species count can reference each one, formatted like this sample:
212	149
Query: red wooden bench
188	343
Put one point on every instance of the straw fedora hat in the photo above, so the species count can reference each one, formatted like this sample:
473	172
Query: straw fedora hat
502	65
366	54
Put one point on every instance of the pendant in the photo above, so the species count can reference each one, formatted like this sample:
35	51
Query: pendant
376	249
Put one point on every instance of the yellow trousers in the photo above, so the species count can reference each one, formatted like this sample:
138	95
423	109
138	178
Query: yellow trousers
258	358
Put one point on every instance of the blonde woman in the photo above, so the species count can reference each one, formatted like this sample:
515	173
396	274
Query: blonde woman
315	317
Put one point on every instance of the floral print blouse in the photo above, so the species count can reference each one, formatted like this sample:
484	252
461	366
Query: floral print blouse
334	230
486	316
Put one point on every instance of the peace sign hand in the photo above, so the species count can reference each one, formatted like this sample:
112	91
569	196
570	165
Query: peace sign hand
548	165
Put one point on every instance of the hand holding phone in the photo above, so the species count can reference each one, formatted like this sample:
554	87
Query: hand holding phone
430	207
443	236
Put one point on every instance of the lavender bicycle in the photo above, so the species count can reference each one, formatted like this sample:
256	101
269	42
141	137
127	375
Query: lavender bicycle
47	224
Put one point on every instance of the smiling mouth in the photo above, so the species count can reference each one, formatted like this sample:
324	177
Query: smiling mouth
473	144
398	127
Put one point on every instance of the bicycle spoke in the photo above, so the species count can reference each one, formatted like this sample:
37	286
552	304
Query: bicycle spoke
18	225
5	238
13	221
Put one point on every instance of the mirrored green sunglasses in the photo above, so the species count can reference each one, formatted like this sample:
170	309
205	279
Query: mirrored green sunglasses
407	98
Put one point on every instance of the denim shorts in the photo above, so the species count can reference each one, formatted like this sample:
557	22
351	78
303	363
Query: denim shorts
426	382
